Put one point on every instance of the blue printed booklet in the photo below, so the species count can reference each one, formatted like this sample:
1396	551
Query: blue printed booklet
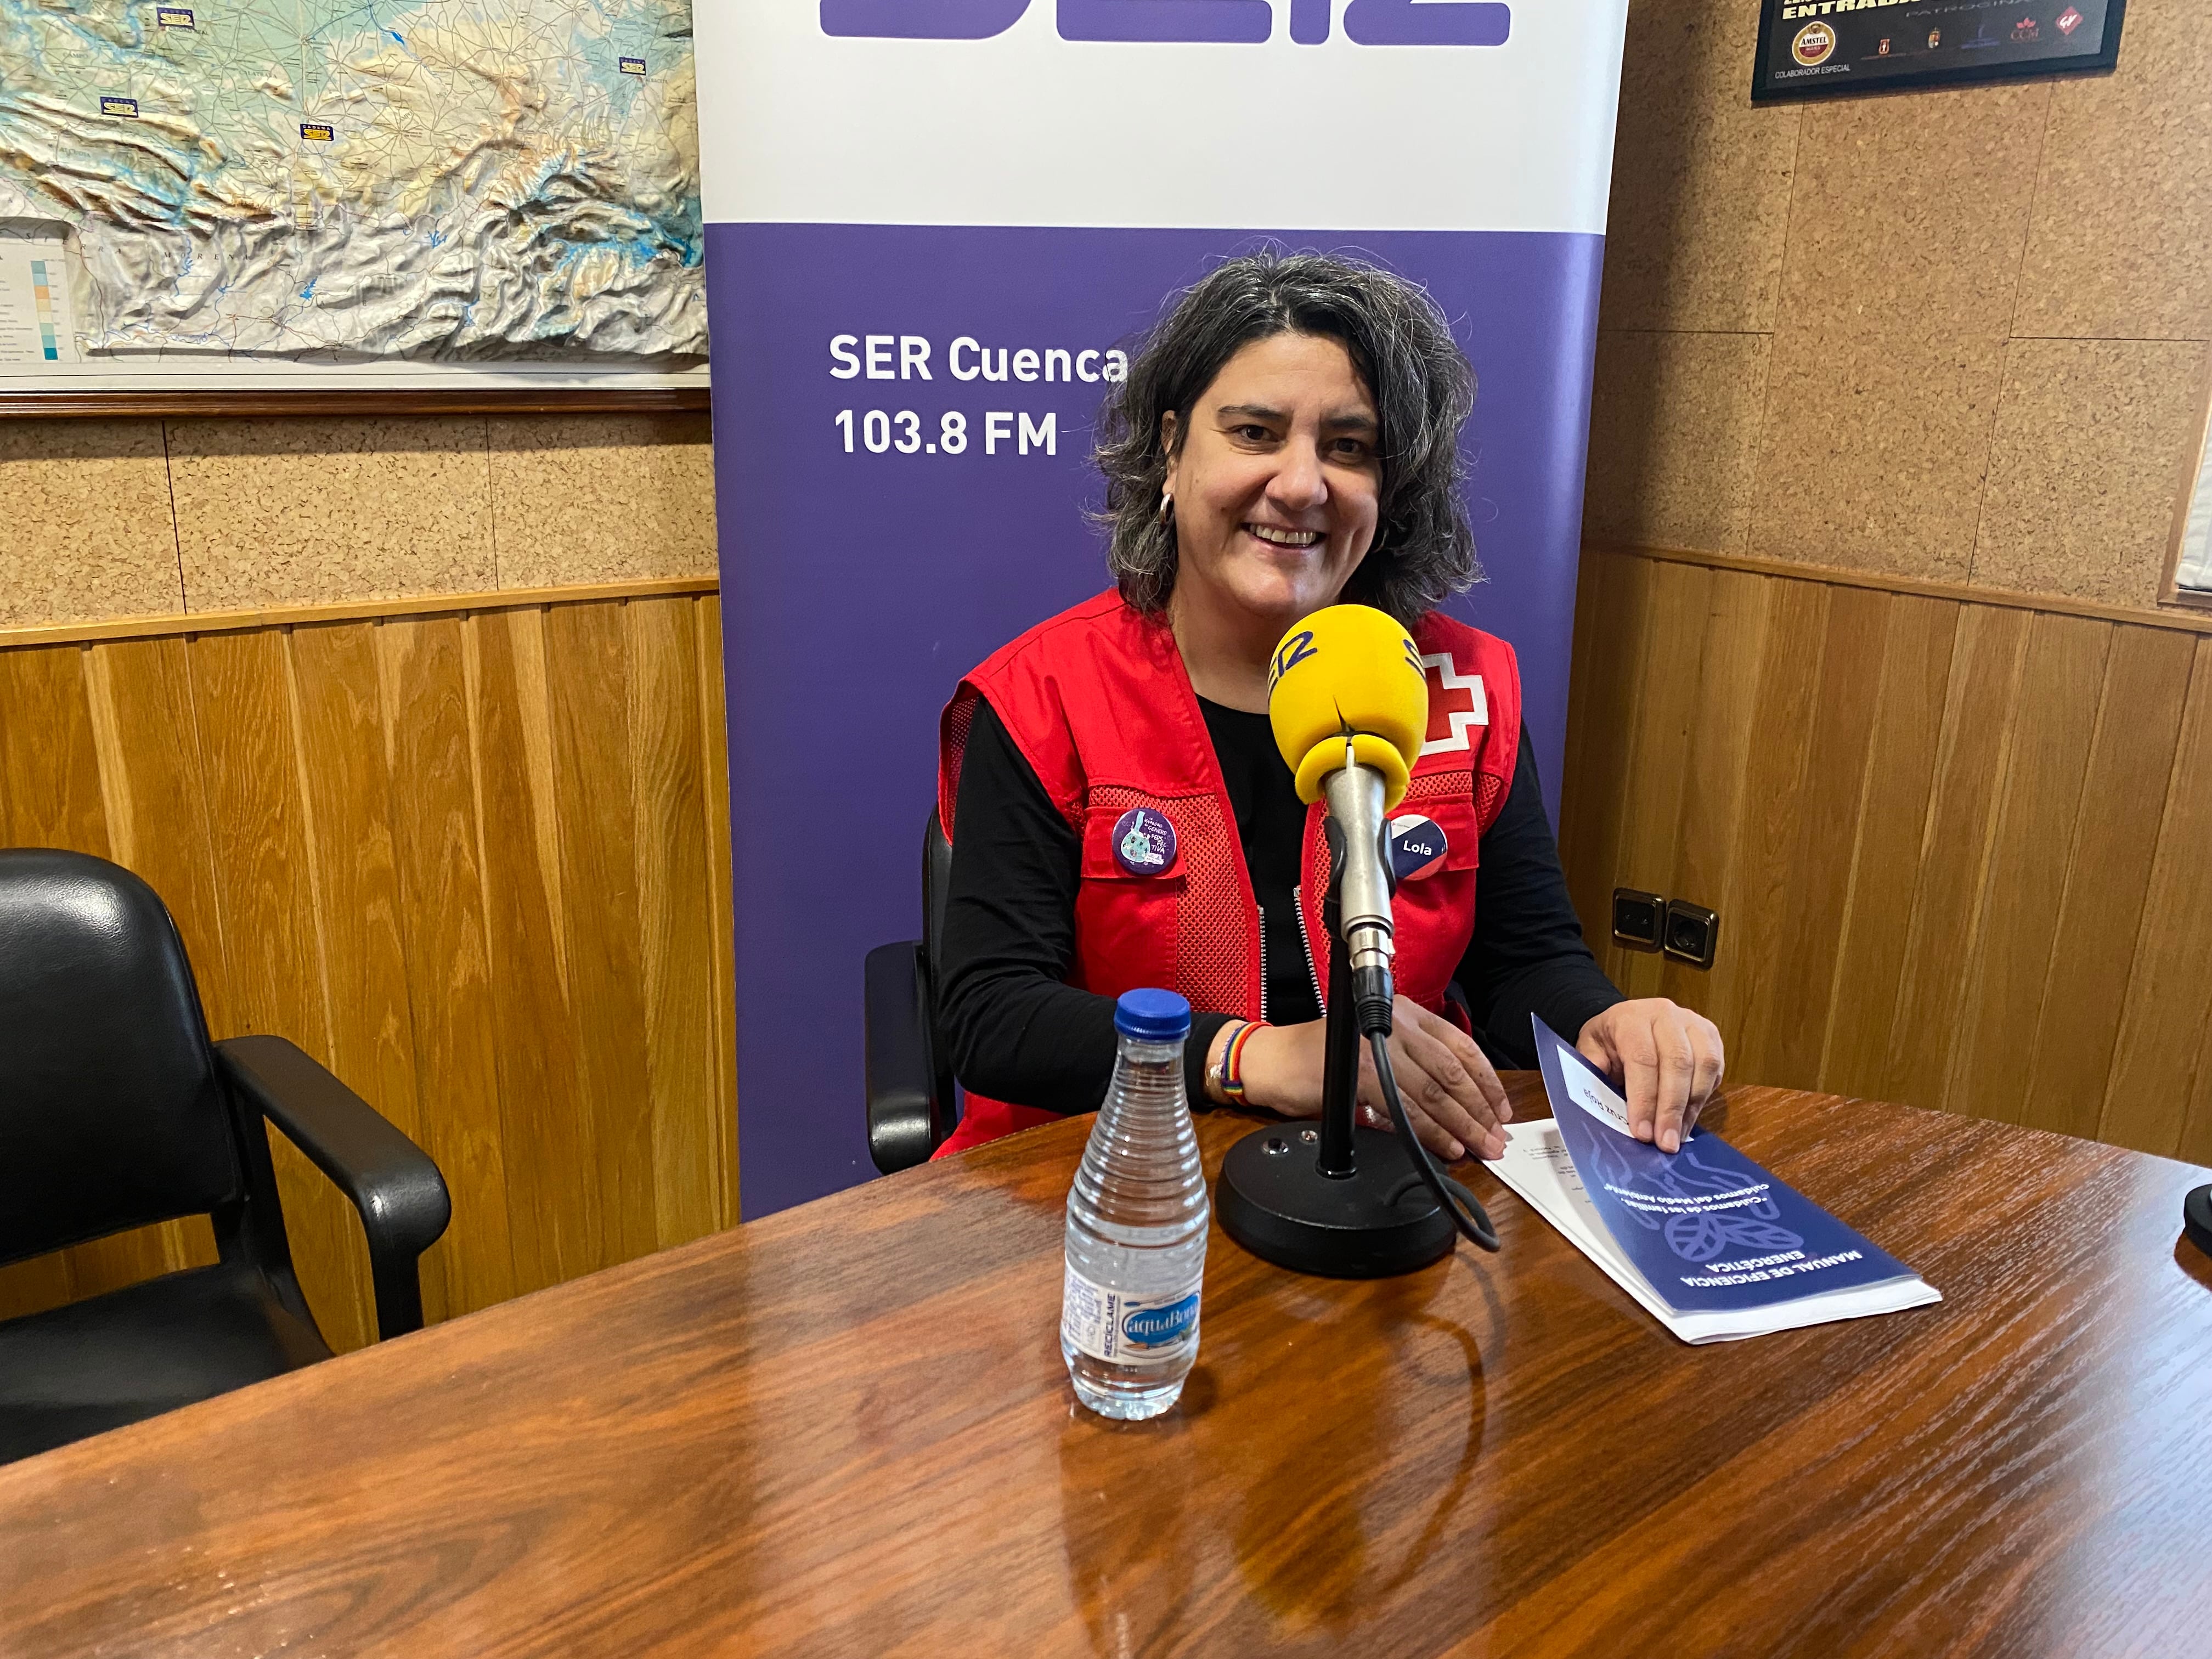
1711	1244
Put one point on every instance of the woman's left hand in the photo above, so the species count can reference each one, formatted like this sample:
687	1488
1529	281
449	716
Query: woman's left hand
1667	1058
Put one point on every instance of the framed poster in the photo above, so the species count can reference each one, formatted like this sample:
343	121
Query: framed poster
1836	48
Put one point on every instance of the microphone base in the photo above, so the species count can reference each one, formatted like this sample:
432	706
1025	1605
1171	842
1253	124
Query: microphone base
1375	1222
2196	1218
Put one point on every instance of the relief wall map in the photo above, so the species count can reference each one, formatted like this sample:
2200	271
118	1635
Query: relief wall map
457	180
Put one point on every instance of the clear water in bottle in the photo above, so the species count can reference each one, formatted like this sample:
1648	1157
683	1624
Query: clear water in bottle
1136	1224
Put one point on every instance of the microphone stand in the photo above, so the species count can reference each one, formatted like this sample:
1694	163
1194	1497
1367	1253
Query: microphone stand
1340	1069
1338	1201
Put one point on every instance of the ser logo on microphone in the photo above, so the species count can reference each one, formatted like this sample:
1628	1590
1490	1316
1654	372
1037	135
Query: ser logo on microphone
1290	654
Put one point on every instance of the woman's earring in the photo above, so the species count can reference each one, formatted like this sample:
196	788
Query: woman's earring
1167	507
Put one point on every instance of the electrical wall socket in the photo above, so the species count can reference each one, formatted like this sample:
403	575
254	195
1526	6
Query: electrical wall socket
1693	934
1639	919
1651	921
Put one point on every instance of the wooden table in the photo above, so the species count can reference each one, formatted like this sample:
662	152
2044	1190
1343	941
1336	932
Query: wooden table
846	1430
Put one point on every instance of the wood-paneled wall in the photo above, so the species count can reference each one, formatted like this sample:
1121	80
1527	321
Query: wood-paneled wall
475	862
1961	852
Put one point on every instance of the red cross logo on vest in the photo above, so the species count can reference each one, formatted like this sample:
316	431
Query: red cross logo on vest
1456	704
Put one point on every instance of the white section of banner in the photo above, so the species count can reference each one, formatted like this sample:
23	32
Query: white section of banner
1029	129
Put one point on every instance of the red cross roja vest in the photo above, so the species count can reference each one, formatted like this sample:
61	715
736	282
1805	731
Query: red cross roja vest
1098	702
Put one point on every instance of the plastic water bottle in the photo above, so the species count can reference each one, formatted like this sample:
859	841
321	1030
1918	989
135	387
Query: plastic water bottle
1136	1224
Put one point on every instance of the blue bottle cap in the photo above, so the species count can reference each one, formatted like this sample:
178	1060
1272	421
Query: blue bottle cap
1153	1016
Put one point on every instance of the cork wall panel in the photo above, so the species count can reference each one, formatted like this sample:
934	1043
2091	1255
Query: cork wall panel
88	503
1906	222
1909	214
1701	202
2121	248
602	498
2069	509
396	843
1677	416
1872	452
154	518
293	512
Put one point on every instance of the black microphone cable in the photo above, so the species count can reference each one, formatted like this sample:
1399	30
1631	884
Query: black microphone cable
1465	1210
1372	1000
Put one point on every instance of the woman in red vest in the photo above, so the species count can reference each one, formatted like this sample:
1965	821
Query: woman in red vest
1120	815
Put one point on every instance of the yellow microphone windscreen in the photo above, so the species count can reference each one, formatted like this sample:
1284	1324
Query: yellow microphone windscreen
1348	672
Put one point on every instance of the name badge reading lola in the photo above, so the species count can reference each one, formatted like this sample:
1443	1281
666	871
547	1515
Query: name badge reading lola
1144	841
1418	847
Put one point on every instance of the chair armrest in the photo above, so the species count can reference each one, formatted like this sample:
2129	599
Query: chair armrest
398	1190
902	1105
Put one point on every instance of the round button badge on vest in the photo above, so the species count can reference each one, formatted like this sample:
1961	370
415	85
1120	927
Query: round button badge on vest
1144	841
1418	847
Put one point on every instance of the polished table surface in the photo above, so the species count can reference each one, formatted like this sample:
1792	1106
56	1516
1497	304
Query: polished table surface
846	1430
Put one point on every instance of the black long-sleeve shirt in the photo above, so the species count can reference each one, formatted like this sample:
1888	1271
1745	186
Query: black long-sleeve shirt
1017	1032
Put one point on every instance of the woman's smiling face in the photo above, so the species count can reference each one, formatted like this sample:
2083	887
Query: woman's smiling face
1276	482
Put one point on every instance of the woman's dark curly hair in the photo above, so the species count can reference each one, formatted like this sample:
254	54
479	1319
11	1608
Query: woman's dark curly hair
1403	350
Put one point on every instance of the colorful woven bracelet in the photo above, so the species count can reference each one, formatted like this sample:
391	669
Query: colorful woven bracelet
1232	1063
1215	1067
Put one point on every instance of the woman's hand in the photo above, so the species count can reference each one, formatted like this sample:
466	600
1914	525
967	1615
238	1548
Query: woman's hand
1452	1096
1667	1057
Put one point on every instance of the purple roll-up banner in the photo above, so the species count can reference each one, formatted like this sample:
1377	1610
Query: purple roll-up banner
936	231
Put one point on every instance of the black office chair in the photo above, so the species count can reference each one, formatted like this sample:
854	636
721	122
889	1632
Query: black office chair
911	1108
116	1111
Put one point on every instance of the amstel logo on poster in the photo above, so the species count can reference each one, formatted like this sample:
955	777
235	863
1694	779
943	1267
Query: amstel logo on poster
1812	45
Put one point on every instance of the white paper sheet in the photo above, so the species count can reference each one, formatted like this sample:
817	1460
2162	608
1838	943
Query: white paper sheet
1536	1166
